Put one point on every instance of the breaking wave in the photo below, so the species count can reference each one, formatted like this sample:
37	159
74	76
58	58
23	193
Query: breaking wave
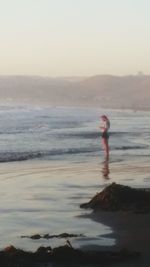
22	156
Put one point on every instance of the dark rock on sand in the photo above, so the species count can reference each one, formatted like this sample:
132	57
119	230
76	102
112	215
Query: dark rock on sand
12	257
117	197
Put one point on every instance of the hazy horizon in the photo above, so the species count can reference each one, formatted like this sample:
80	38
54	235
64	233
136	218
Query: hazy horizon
75	76
96	91
58	38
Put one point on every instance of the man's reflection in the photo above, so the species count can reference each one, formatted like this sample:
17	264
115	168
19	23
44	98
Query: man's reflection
105	169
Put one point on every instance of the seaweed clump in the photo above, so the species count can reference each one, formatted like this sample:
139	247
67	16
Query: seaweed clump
12	257
117	197
48	236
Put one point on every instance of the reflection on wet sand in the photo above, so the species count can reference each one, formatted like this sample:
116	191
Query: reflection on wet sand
105	169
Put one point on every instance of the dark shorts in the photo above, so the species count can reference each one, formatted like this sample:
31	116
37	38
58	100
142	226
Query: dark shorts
105	135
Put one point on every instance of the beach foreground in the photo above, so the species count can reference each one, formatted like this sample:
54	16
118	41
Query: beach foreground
127	212
12	257
131	231
103	230
130	227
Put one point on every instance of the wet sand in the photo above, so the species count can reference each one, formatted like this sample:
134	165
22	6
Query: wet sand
44	198
129	230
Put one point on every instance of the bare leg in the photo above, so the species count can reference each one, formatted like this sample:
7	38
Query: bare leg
105	147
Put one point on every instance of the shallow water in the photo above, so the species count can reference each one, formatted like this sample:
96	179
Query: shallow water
54	162
44	198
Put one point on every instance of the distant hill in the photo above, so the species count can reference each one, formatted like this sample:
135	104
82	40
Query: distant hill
118	91
98	91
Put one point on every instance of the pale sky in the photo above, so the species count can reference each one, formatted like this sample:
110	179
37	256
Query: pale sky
74	37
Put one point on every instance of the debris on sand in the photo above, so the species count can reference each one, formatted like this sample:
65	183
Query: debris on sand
12	257
117	197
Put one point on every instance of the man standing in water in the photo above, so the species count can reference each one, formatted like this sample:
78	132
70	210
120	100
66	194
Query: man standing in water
105	125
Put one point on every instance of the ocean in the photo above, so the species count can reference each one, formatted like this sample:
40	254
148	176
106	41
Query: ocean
52	161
